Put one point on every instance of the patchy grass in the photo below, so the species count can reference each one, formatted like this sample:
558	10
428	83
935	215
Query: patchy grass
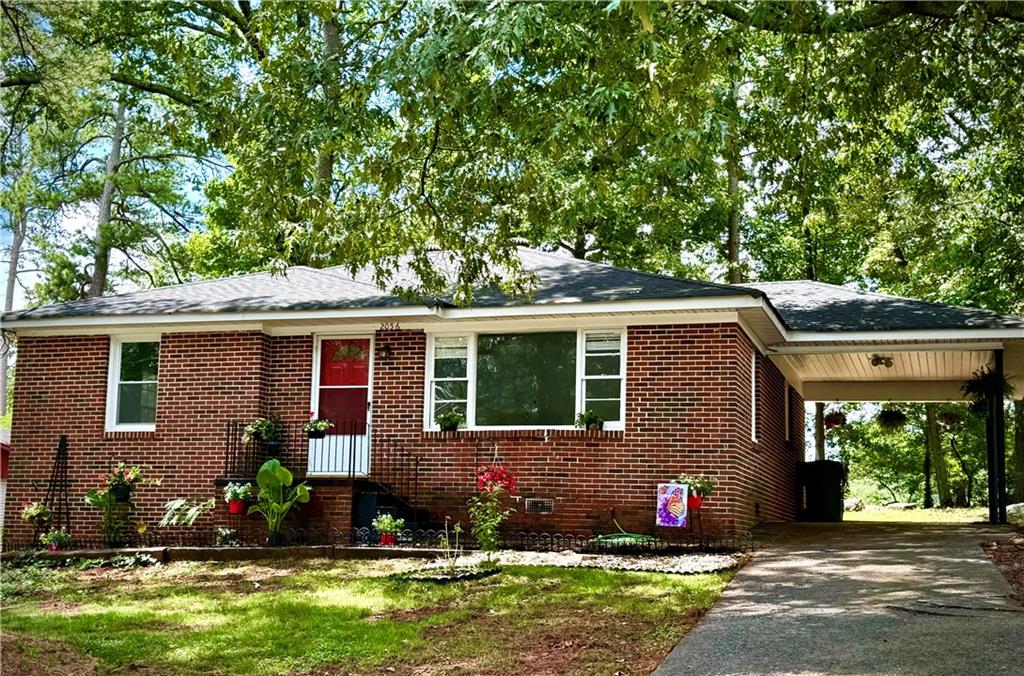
936	515
347	616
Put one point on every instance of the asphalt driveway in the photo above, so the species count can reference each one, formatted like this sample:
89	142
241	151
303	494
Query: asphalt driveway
862	598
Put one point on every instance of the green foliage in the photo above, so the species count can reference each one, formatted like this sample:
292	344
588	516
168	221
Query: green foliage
264	429
114	515
587	418
486	514
698	485
449	421
237	491
277	495
386	523
981	385
183	512
58	536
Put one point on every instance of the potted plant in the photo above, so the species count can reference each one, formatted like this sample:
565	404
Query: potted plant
268	431
450	421
834	419
699	488
122	481
276	497
590	421
891	419
236	495
317	428
36	513
56	540
389	527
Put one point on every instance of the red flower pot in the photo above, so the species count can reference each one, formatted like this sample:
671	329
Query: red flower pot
694	501
236	506
53	547
388	539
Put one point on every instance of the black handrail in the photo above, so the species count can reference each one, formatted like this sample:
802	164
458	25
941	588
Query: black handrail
350	450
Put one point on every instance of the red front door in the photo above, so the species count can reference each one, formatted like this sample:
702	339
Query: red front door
342	396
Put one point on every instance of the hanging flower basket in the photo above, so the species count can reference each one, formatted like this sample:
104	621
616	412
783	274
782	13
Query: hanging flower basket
121	493
891	419
949	418
834	419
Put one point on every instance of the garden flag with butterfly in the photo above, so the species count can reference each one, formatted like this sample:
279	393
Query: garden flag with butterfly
672	505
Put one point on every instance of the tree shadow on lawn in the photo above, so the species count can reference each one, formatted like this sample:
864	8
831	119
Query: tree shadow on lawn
527	618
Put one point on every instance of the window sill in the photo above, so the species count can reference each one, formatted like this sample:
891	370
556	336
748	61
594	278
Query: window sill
539	433
129	433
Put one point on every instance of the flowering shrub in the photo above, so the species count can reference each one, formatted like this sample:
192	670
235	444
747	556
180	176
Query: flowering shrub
486	511
126	476
36	512
490	478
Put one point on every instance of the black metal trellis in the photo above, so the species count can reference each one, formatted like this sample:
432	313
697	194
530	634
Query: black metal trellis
57	491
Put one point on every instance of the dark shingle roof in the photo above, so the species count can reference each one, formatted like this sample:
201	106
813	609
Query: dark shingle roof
559	279
814	306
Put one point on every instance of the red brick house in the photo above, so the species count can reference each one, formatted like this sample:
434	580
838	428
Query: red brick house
689	376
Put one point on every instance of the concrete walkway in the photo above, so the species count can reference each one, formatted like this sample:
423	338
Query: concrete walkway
860	598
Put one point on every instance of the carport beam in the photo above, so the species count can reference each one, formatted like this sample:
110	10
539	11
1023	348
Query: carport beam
996	429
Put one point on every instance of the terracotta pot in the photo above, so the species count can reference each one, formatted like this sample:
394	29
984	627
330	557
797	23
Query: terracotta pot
236	506
694	501
388	539
121	493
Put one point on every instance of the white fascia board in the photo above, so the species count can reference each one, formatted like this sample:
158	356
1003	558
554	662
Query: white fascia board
886	347
108	323
222	317
889	337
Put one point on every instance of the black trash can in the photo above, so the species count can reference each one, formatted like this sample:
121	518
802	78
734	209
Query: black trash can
821	484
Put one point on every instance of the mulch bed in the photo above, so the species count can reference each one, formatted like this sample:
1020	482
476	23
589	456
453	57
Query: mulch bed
1009	556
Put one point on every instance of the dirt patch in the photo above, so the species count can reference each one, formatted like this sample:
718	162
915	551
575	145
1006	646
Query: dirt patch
1009	556
60	607
412	614
29	656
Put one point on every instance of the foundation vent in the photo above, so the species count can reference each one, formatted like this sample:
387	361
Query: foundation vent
539	505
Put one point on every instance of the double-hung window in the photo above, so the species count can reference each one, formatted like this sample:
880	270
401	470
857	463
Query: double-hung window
528	379
132	384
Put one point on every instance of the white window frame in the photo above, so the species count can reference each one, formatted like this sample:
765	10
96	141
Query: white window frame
114	379
471	336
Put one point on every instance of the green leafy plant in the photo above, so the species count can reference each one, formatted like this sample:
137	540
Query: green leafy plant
264	429
589	420
114	514
891	419
277	495
183	512
36	512
450	421
980	386
451	550
317	425
237	491
386	523
486	514
698	485
59	537
227	537
128	477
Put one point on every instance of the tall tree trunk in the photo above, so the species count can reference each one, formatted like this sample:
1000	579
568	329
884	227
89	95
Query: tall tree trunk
325	159
733	170
819	430
928	501
101	260
940	469
1018	450
19	223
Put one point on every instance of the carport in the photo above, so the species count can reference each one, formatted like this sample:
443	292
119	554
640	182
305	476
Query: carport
844	345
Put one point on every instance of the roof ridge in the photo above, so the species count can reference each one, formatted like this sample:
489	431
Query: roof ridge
655	275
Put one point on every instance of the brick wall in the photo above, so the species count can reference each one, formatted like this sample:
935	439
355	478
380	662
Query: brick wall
688	410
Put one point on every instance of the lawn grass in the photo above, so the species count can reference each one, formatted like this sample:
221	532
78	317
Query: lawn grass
349	616
936	515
